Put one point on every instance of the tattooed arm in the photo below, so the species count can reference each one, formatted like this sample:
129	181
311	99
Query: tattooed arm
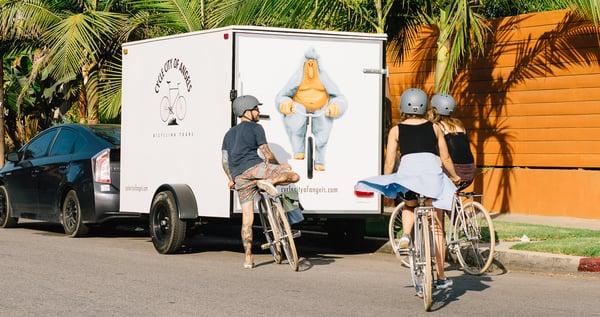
267	154
225	163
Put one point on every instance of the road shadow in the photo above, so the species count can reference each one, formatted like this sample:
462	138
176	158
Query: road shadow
313	248
462	285
108	230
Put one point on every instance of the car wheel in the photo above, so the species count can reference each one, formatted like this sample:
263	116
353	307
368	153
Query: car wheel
6	220
166	229
71	216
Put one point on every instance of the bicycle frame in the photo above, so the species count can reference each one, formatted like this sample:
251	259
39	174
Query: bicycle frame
456	212
310	146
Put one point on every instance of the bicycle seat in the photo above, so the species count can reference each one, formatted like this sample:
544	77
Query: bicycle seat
469	194
409	195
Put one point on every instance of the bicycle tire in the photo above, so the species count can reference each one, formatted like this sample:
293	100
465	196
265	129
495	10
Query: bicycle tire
394	228
180	107
270	231
428	274
474	259
164	109
287	238
310	164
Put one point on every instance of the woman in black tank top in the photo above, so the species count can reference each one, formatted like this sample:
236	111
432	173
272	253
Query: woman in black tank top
415	135
455	134
423	151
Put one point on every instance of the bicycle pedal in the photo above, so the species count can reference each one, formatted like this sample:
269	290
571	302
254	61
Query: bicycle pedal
265	246
296	234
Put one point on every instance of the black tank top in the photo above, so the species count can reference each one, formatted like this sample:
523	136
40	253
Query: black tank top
458	146
417	138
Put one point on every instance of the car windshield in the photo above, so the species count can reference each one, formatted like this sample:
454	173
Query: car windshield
111	134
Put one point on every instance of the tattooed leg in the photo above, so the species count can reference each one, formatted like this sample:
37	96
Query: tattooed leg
247	220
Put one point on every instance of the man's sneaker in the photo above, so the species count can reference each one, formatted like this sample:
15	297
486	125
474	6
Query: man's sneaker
404	242
267	186
443	284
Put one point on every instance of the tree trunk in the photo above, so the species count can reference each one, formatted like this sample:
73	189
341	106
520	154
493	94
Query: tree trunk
1	111
441	66
83	96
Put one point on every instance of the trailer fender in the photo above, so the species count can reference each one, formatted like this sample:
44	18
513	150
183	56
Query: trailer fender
184	198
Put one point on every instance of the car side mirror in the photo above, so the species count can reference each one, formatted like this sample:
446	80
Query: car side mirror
13	157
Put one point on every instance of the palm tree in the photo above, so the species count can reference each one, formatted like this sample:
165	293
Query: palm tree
460	33
19	31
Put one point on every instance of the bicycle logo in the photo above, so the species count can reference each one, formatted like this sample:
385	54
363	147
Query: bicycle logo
172	109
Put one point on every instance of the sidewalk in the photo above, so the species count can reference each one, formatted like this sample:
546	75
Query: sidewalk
566	222
508	259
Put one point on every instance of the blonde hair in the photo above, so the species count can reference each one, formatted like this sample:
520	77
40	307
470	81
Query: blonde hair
404	116
452	124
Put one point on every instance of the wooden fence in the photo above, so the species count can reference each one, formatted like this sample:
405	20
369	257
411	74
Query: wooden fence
531	102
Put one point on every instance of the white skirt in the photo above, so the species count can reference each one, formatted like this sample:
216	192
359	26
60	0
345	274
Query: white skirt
418	172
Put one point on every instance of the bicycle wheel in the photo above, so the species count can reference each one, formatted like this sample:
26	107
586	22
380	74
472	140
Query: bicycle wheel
428	270
180	107
395	232
287	238
165	109
271	233
310	166
474	232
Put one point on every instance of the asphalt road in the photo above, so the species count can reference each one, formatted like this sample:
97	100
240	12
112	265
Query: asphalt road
118	273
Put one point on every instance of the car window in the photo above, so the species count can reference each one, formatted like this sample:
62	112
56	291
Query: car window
39	146
65	142
111	134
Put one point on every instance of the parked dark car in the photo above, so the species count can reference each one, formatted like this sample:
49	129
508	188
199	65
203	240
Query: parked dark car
67	174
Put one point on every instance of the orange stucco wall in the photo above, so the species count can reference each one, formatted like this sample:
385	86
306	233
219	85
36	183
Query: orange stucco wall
532	105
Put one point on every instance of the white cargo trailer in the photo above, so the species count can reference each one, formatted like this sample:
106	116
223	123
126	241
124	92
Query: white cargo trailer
176	108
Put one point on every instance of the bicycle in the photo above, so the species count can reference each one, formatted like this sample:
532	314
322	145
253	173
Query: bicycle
421	252
277	230
310	146
471	225
473	238
176	109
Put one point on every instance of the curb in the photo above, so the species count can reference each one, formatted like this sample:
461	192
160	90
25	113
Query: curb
508	259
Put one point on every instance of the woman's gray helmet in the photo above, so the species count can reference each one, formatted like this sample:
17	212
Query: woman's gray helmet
243	103
443	103
413	101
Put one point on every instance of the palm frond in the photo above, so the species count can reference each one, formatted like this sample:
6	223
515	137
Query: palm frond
77	39
180	15
110	90
590	9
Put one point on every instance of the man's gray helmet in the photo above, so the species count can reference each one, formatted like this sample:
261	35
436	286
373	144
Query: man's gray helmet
443	103
413	101
243	103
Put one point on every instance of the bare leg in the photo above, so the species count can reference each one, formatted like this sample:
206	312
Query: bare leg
285	178
440	245
408	217
247	220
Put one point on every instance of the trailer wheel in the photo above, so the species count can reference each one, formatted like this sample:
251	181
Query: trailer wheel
166	229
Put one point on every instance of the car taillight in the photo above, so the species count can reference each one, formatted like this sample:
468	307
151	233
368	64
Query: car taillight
101	167
362	194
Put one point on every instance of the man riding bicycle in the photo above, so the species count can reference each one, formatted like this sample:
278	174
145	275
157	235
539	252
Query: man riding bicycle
246	171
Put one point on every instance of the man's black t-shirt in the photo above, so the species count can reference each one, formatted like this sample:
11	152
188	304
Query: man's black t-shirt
241	143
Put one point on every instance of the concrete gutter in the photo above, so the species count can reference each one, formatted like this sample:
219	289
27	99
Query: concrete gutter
508	259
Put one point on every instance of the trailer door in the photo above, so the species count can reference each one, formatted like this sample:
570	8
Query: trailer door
269	64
